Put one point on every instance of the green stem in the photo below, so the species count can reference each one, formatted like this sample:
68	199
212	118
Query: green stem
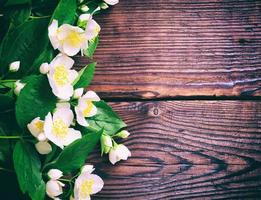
12	137
8	80
7	170
42	17
65	180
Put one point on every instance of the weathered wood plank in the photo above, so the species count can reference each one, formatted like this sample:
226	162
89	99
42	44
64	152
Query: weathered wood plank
185	150
169	48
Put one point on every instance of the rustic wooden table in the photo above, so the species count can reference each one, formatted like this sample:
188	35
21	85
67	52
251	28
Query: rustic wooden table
186	77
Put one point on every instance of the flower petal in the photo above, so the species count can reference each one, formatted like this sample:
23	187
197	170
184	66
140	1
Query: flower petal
71	136
80	118
91	95
65	114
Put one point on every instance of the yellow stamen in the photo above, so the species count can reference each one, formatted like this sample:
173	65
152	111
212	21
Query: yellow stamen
59	128
86	188
88	109
75	39
61	75
39	125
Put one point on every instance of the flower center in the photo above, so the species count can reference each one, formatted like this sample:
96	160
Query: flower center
86	188
88	109
59	128
74	39
39	125
61	75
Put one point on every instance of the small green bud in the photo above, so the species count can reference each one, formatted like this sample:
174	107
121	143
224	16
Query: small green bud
84	8
103	5
123	134
106	143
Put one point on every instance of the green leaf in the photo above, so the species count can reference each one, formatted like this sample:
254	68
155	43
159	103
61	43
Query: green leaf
46	56
6	102
85	76
65	12
12	17
24	43
5	150
16	2
106	118
35	100
76	153
27	166
92	47
39	193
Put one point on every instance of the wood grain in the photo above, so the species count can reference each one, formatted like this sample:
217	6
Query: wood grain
169	48
187	150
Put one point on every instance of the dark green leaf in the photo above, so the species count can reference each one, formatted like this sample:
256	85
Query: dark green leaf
35	100
85	76
74	155
106	118
65	12
92	47
6	102
12	17
24	43
46	56
5	150
27	166
17	2
39	193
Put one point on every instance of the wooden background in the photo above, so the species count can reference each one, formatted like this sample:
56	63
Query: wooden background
186	77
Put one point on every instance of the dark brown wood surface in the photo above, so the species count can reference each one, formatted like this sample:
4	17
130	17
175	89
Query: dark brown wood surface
169	48
167	52
187	149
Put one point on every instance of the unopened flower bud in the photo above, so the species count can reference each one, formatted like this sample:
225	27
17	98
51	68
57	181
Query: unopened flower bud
18	87
78	93
55	174
14	66
84	8
43	147
103	5
106	143
44	68
123	134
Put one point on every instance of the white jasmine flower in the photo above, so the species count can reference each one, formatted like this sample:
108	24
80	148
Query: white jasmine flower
78	93
44	68
18	87
119	152
87	169
55	174
92	29
36	127
57	129
67	38
14	66
123	134
61	76
87	184
43	147
86	108
106	143
112	2
54	188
